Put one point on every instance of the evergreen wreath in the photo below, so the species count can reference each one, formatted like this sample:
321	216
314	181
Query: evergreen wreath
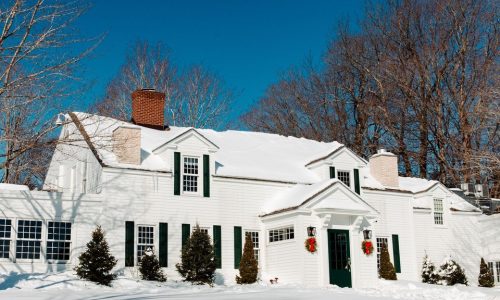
367	247
311	244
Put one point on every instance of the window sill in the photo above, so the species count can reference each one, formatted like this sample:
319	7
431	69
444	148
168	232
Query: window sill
440	226
281	242
28	260
191	194
58	262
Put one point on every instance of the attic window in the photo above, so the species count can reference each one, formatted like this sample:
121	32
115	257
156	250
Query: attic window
345	177
190	175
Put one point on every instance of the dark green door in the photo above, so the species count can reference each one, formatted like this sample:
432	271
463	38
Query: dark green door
339	257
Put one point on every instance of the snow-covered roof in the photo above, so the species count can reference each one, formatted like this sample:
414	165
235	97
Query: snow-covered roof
295	195
300	194
240	153
13	187
406	184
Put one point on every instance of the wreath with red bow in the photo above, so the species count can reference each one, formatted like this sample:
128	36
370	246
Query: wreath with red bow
311	244
367	247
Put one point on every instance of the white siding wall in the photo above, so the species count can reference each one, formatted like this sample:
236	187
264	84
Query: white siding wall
73	169
459	236
84	211
131	196
395	218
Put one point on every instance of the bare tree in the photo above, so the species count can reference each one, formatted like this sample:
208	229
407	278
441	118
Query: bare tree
420	78
195	97
146	66
39	55
201	99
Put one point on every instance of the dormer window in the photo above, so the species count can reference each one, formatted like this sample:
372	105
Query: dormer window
345	177
190	174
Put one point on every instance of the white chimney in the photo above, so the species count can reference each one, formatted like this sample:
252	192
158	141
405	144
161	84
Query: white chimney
127	144
384	168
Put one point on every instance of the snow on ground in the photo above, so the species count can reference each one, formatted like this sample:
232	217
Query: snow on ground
65	286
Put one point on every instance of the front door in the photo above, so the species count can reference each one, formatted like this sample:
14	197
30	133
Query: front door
339	257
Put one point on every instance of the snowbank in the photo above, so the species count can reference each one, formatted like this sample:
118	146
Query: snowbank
66	286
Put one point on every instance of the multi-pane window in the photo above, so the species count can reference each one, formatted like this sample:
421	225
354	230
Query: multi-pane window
254	235
490	266
345	177
497	266
281	234
438	211
204	230
29	235
5	229
58	240
190	175
145	240
380	242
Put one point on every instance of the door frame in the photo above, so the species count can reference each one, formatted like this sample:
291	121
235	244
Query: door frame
331	231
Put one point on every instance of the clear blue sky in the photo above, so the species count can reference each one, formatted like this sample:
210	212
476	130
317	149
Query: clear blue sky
247	43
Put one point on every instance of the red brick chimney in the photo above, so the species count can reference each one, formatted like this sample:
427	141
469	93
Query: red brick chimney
148	108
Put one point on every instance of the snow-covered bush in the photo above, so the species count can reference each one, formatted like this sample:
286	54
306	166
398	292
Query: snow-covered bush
450	273
429	273
485	277
96	262
149	267
197	259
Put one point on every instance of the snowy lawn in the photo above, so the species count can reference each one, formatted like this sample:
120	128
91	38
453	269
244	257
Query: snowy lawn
65	286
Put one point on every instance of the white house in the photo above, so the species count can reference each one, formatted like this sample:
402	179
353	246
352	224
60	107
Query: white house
148	185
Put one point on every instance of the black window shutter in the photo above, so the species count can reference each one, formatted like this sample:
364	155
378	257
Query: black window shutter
177	173
218	246
206	176
129	244
395	252
163	245
356	181
186	231
237	247
332	172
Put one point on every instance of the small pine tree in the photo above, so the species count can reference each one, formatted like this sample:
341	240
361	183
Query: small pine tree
248	264
429	274
96	262
149	267
451	273
485	277
386	270
197	259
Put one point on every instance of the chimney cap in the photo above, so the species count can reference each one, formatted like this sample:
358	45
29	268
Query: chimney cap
382	152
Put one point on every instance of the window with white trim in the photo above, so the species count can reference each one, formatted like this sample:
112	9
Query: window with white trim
145	240
345	177
281	234
5	232
58	240
380	242
254	235
497	266
190	174
29	238
438	211
204	230
490	266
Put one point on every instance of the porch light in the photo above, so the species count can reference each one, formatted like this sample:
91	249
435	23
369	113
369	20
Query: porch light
367	234
311	231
